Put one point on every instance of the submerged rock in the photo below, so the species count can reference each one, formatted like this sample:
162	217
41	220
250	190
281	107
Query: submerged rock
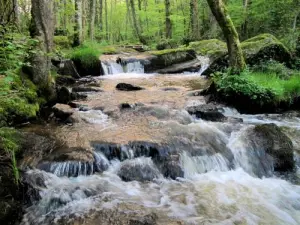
140	169
207	112
275	143
85	89
128	87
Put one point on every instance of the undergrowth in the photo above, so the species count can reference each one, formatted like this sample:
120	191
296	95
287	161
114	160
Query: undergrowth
89	52
265	86
9	148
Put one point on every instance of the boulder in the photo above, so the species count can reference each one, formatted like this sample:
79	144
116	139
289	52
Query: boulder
207	112
141	169
191	66
165	58
274	142
67	67
128	87
93	69
62	111
212	48
258	49
63	95
265	47
65	80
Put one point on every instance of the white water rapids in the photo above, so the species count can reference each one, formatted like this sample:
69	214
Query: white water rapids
214	189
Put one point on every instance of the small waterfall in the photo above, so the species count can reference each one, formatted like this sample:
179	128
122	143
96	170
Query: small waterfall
76	168
205	63
111	67
193	165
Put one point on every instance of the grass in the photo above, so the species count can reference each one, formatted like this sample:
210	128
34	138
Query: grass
283	89
260	88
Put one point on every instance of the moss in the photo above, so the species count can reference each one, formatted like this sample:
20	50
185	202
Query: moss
18	98
265	47
170	51
167	44
212	48
109	50
61	42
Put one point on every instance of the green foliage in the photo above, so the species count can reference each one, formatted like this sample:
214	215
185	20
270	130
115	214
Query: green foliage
241	85
14	49
18	98
273	67
262	87
61	42
9	140
283	89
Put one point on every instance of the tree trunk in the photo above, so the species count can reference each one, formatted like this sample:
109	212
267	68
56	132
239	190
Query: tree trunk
106	20
42	29
101	15
65	16
92	19
78	24
168	20
236	58
135	22
16	12
244	28
194	19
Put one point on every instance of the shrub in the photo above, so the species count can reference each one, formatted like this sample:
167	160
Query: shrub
61	42
257	91
273	67
233	86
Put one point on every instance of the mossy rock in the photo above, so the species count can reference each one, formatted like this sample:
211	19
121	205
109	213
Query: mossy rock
212	48
168	57
18	99
167	44
265	47
261	48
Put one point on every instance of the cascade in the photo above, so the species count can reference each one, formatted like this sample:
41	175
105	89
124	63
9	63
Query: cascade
111	67
203	173
205	63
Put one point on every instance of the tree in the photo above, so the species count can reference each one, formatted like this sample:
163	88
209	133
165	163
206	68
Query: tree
78	34
92	19
42	29
168	20
194	19
236	58
135	22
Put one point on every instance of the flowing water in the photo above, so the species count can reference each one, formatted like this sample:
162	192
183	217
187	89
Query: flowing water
221	177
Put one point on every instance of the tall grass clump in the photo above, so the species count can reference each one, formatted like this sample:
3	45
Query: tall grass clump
87	54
